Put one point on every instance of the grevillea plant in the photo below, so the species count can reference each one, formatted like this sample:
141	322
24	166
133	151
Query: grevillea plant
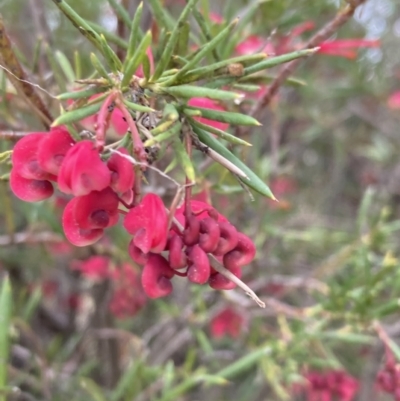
170	106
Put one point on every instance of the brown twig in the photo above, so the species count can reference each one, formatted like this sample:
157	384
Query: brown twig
18	78
13	135
324	33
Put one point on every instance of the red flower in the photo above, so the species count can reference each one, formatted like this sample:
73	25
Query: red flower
53	149
85	217
95	268
99	209
228	322
148	223
82	170
345	47
25	157
75	234
30	190
208	104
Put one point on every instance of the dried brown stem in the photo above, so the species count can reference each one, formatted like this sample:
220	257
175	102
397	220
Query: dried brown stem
18	78
324	33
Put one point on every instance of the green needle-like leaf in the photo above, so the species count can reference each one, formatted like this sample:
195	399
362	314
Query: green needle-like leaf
225	116
189	91
170	46
135	34
253	181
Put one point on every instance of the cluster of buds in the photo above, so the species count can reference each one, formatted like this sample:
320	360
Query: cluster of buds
330	385
100	186
197	231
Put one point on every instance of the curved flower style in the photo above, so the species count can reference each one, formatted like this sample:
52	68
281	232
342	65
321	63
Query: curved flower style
82	170
148	223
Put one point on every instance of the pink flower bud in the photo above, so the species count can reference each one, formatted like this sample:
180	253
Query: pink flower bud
156	276
82	170
25	158
199	266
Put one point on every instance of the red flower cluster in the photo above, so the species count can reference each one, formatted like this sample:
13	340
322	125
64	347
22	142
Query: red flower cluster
41	158
99	186
128	297
330	385
206	231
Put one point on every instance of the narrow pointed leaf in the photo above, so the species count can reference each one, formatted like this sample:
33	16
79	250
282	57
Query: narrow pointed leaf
183	40
65	66
253	181
99	67
170	133
274	61
136	59
134	35
169	48
76	115
82	25
189	91
225	116
184	160
138	107
206	49
95	392
55	67
111	37
221	134
112	59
